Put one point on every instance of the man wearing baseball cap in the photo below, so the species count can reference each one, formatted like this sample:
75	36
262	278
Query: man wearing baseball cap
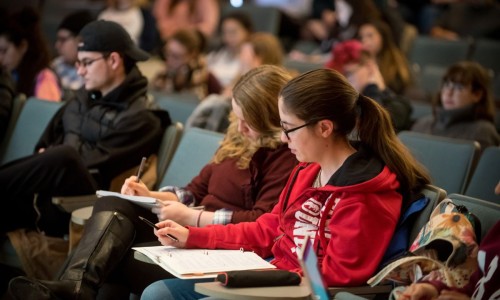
103	131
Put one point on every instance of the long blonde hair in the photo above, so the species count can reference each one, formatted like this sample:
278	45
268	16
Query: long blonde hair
256	93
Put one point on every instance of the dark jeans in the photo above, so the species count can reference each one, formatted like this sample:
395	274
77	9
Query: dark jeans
58	171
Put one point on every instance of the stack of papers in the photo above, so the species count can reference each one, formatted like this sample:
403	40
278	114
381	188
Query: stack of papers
146	202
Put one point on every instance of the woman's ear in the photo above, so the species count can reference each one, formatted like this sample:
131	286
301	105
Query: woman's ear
326	127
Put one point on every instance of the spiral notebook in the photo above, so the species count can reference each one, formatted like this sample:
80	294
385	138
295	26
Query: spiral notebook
202	263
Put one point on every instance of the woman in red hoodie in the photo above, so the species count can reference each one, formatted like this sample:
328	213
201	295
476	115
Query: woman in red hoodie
346	195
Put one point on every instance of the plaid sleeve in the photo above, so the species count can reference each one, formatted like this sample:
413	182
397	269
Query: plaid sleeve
222	216
185	196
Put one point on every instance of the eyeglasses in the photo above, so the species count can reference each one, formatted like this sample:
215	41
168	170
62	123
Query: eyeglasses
87	62
287	131
453	86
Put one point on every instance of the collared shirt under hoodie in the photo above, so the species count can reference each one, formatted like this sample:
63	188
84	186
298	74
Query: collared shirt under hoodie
111	133
351	219
459	123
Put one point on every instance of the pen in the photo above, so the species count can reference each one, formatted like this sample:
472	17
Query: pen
173	238
141	169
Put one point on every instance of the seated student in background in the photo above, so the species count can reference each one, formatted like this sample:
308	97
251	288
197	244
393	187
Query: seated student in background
136	18
185	67
7	95
362	71
224	62
242	182
67	49
173	15
211	114
107	127
344	194
24	53
378	40
464	107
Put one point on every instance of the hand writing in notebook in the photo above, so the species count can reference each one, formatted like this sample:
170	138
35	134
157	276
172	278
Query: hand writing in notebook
172	228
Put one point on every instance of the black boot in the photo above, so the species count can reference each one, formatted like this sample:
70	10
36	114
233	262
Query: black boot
107	238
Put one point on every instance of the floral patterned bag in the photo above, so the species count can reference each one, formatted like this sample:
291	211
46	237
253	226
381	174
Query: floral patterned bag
445	250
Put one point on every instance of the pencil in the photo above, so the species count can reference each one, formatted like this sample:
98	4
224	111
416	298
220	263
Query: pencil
141	169
173	238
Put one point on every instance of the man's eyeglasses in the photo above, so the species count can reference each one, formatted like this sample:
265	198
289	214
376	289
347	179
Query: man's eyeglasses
287	131
85	63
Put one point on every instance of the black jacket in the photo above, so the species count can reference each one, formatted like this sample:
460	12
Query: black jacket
111	133
6	101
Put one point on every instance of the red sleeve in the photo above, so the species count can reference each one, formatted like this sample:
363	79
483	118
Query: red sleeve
255	236
361	228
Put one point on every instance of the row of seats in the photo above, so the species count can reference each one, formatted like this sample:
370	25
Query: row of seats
430	57
458	166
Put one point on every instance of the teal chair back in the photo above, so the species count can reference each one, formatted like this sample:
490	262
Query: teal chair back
486	176
34	117
487	212
264	18
435	195
168	145
179	105
448	160
195	150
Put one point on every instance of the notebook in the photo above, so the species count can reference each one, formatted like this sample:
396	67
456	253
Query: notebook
312	276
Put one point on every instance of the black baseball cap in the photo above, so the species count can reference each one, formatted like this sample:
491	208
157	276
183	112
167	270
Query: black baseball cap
108	36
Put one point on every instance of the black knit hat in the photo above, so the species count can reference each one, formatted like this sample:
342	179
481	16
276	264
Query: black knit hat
107	36
74	22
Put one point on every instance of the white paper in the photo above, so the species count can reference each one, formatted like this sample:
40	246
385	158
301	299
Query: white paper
146	202
202	263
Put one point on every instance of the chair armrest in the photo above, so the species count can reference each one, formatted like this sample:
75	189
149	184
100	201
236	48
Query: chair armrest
71	203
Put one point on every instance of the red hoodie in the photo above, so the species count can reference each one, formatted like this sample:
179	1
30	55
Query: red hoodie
363	207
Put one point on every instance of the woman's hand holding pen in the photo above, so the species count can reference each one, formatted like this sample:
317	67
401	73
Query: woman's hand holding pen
172	228
177	212
132	187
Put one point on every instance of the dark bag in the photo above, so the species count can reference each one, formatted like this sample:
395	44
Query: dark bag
258	278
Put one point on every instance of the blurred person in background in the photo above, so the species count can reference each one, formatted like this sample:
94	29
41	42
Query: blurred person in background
67	47
378	40
172	15
212	113
464	107
25	54
185	67
363	73
224	62
136	18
